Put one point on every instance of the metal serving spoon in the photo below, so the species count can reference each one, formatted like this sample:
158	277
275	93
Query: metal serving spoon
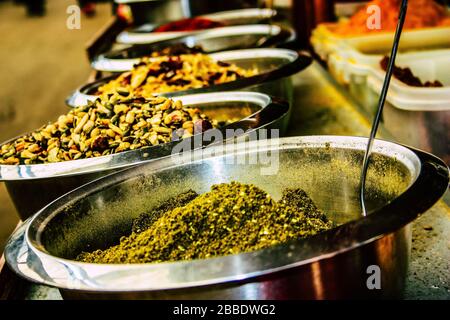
384	90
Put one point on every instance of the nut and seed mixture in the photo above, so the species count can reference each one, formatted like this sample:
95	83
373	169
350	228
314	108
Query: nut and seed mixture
174	73
106	126
230	219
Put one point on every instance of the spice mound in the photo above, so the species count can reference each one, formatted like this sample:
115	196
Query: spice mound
421	14
230	219
109	125
189	24
174	73
406	76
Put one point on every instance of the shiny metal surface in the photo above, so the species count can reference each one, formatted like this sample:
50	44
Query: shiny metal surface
143	33
274	64
402	184
33	186
227	38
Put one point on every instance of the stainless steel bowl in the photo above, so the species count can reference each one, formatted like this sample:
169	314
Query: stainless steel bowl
31	187
227	38
402	184
275	66
144	33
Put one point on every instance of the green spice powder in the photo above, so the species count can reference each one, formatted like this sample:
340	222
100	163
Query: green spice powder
231	218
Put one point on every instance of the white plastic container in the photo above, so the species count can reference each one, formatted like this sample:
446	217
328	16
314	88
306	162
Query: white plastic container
351	56
417	116
358	67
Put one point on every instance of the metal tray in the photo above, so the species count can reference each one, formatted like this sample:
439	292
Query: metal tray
275	65
228	38
402	184
31	187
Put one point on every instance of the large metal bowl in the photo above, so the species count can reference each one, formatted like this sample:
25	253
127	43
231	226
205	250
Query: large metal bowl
275	68
227	38
402	183
144	32
31	187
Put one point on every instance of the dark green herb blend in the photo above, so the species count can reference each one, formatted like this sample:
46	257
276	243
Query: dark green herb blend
230	219
145	220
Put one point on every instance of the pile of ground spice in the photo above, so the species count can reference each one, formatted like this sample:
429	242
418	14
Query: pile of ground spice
231	218
145	220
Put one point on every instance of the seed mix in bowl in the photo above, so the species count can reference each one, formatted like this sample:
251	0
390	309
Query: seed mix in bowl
108	125
174	73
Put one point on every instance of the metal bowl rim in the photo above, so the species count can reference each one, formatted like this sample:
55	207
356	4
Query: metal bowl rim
120	160
249	13
102	62
297	62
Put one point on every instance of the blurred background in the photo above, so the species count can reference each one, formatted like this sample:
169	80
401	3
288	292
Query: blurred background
41	61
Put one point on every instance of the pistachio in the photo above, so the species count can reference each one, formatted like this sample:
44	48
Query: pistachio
187	125
163	130
120	108
34	148
77	156
166	105
81	124
110	124
153	139
110	133
76	138
156	120
88	126
95	132
53	155
28	154
116	129
130	117
123	146
178	105
62	121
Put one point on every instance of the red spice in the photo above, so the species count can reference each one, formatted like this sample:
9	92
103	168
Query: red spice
189	24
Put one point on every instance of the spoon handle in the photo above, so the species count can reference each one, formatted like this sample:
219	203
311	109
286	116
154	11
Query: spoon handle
384	90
